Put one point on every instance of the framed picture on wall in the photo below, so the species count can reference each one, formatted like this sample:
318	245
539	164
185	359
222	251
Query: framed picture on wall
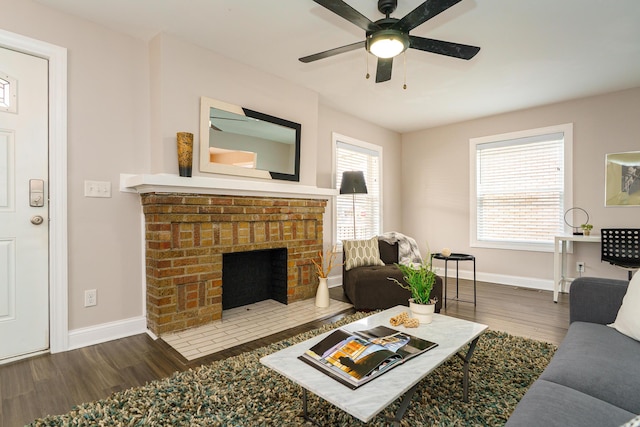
622	187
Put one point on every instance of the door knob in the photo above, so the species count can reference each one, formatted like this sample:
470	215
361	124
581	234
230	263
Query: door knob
37	220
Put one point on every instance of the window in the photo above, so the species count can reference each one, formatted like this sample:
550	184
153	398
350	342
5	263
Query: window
520	188
8	88
4	93
354	155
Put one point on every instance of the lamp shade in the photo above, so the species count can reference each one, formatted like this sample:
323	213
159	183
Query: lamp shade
353	183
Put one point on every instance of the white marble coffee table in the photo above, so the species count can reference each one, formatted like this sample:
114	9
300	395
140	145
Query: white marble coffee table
367	401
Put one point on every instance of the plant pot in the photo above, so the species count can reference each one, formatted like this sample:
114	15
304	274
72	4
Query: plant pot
422	312
322	294
587	232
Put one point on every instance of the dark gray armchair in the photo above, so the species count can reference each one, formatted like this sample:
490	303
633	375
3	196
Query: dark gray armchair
368	288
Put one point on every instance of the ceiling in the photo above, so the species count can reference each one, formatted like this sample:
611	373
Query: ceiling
533	52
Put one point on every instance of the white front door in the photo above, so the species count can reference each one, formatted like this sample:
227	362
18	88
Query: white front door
24	218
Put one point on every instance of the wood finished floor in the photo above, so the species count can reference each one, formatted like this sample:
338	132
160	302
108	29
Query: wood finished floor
53	384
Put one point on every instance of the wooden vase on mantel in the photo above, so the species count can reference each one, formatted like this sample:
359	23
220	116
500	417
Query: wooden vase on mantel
185	153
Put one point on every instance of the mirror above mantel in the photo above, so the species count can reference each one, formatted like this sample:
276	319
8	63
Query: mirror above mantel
242	142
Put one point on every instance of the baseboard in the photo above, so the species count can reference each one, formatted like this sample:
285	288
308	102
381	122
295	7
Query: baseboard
152	335
333	281
523	282
501	279
92	335
104	332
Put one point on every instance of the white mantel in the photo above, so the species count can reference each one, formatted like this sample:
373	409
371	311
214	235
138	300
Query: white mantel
169	183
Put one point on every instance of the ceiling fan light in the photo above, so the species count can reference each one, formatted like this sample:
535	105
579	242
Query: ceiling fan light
387	48
387	43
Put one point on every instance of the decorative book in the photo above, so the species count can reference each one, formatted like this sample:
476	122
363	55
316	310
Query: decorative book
356	358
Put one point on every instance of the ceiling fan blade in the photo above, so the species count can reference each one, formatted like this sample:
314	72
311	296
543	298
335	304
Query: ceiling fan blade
332	52
423	13
345	11
455	50
383	73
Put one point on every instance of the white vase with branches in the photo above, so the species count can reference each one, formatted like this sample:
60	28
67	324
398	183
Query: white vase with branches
328	258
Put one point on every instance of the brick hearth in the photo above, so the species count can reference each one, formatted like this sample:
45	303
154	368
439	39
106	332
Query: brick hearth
187	234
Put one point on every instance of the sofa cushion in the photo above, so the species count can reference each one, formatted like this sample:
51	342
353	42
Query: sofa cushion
388	252
595	299
599	361
550	404
369	288
627	320
383	272
361	253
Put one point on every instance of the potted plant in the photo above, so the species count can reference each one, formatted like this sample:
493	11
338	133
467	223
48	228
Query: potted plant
419	279
586	228
322	294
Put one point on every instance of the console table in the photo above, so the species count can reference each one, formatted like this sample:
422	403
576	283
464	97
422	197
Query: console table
560	259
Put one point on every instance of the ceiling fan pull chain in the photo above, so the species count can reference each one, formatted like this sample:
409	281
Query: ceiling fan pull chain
404	61
366	60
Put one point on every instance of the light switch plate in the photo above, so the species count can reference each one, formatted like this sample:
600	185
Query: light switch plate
97	189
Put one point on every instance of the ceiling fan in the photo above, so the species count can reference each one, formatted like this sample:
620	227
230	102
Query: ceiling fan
388	37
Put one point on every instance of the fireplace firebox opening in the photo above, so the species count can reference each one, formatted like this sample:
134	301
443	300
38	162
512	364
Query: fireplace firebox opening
254	276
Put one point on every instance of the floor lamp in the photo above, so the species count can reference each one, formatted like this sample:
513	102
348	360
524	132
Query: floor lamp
353	183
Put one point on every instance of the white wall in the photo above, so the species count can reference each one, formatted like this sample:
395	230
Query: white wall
182	73
390	141
108	103
126	101
331	121
435	182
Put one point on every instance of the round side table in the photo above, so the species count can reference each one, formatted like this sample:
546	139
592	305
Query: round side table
457	257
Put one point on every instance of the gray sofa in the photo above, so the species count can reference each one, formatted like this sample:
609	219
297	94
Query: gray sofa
594	377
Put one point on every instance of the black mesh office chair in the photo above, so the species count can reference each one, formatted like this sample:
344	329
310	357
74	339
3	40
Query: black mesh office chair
621	247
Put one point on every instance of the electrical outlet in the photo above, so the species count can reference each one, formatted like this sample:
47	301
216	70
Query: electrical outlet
580	266
90	298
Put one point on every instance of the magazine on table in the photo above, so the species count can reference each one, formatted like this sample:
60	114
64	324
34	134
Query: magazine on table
356	358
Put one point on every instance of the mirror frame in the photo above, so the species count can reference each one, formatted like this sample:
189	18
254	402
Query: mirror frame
206	166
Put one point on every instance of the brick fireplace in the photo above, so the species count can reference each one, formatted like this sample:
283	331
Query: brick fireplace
187	236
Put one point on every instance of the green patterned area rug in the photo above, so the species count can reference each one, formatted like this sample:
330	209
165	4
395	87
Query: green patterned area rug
239	391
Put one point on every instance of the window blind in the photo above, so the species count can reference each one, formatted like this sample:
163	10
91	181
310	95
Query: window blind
351	157
520	189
